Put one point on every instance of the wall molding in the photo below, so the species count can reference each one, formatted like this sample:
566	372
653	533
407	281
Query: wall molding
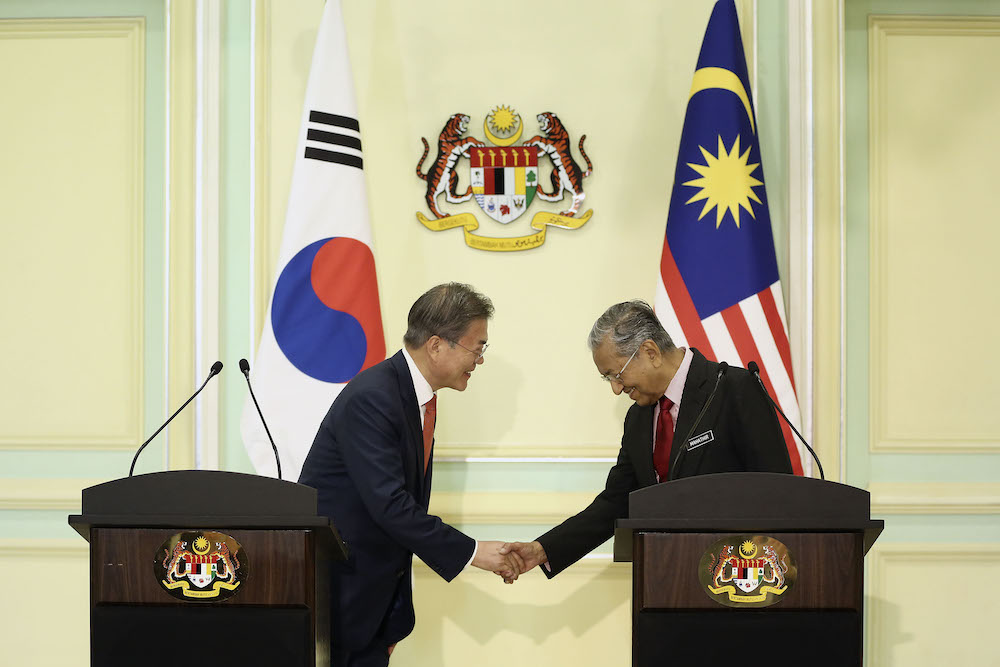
131	29
508	507
182	46
829	206
38	548
884	556
880	30
44	494
934	498
526	453
586	566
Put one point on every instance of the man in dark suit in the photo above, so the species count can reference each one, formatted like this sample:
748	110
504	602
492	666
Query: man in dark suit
670	386
371	464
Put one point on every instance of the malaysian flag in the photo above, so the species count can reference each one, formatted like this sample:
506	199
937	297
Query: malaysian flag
719	289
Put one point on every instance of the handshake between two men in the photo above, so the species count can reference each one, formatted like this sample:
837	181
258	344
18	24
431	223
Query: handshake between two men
509	560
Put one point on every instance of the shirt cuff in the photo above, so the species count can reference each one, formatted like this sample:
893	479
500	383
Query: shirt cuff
475	549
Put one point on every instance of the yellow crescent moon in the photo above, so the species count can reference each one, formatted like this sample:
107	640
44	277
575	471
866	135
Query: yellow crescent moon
716	77
497	140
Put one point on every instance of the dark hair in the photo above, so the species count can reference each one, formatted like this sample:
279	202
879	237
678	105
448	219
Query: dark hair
447	311
627	325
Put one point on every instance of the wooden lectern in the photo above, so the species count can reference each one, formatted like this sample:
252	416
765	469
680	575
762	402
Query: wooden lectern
672	531
277	609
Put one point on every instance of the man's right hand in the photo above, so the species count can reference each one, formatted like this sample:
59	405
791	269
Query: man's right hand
530	554
489	558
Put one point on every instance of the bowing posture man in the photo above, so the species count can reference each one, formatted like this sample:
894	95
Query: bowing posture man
669	386
371	464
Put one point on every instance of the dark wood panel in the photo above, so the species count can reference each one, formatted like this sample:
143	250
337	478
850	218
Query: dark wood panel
281	563
830	571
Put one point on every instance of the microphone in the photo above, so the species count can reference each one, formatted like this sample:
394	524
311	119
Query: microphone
755	369
216	369
245	368
676	465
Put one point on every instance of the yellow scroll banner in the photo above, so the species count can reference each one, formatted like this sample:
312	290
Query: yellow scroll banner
737	597
186	588
501	244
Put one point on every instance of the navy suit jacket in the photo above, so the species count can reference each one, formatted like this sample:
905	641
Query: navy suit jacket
739	433
367	465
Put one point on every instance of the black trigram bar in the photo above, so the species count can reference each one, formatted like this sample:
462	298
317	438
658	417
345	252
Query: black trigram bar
333	119
330	156
333	139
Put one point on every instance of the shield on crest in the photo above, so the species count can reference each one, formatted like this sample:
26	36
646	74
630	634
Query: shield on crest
504	180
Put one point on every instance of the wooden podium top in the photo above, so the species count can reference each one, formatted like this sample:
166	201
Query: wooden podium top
746	502
204	499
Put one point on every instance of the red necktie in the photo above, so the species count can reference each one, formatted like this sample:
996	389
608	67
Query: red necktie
664	439
430	416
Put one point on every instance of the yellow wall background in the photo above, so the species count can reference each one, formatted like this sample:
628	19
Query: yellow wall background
108	184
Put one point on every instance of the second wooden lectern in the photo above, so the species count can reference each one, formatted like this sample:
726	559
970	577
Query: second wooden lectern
741	568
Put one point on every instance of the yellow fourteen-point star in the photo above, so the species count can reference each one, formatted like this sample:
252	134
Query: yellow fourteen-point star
726	182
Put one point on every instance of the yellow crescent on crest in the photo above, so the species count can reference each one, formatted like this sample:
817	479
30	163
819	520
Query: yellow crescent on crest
497	140
716	77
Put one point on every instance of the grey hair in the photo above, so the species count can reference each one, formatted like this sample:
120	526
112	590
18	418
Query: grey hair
627	325
447	311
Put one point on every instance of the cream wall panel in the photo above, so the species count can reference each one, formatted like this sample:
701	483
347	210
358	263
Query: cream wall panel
921	593
49	624
71	258
580	617
933	245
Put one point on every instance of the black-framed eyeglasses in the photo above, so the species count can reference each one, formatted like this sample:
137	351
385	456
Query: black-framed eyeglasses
479	355
618	376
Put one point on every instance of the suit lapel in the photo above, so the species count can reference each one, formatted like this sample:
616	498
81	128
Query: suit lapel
414	446
696	389
639	440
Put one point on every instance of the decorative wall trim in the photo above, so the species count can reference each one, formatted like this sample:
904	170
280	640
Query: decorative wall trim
801	224
208	195
544	453
132	31
934	498
828	205
261	270
587	566
43	494
934	556
880	30
35	548
181	237
508	507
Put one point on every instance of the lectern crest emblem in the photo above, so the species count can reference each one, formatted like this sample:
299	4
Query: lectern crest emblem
200	566
747	571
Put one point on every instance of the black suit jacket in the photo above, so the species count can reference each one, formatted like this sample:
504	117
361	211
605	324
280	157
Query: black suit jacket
739	433
367	465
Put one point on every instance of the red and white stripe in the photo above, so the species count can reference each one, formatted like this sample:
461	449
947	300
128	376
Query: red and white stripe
752	330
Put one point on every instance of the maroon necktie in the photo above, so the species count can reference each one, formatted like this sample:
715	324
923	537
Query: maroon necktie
664	439
430	416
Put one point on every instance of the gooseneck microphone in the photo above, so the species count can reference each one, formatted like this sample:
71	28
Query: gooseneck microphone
676	465
755	369
245	368
216	369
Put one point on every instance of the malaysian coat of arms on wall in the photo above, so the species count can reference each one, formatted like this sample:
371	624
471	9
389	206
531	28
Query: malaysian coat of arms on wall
504	178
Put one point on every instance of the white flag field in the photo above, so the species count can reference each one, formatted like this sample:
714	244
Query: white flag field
323	323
